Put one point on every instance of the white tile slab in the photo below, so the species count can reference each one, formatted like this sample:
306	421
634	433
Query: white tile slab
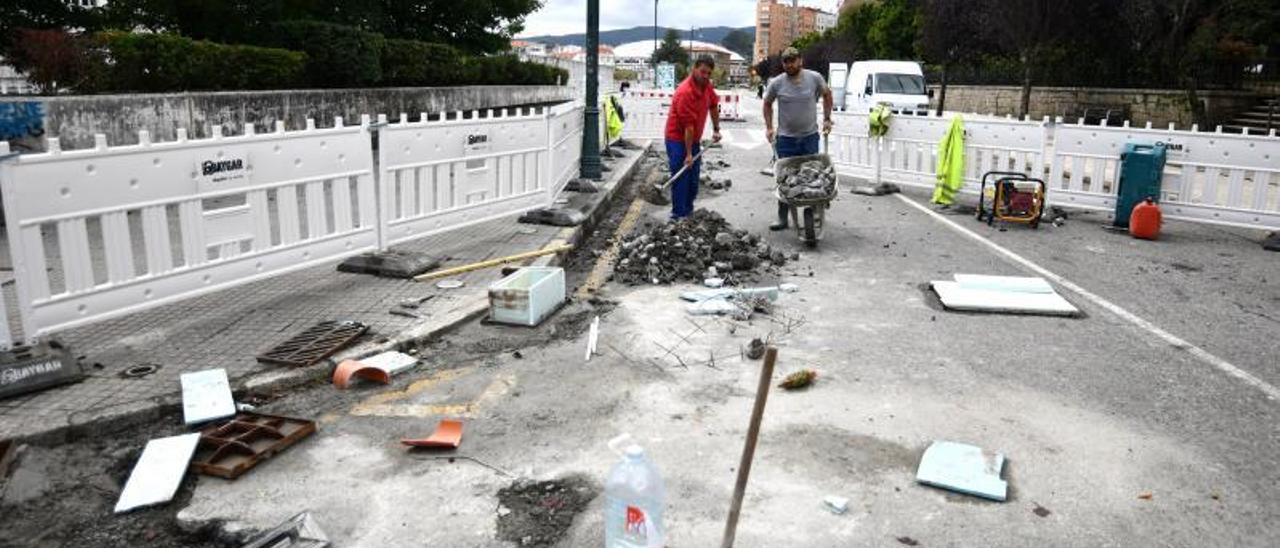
206	396
158	472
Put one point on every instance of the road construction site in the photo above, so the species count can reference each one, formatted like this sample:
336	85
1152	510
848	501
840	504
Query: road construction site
1150	418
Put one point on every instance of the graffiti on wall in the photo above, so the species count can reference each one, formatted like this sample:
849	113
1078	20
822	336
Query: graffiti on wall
21	120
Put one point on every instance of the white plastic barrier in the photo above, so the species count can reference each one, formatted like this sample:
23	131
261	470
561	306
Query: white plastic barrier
132	227
1216	178
564	133
647	112
449	173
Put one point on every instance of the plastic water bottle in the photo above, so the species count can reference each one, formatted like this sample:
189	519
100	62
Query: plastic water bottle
634	500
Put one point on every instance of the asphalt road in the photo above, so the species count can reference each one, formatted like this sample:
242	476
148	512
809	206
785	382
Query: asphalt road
1114	436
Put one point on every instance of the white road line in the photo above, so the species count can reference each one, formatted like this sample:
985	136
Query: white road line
1227	367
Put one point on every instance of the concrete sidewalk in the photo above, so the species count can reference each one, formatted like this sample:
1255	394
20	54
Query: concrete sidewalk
229	328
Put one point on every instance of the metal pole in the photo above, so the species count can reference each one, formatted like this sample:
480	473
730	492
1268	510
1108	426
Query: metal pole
749	450
654	58
590	168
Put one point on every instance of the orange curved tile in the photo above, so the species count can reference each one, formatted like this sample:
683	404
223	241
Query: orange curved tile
352	368
448	435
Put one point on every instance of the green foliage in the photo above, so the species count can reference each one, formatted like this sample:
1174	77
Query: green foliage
168	62
739	42
475	26
337	55
624	75
807	41
671	51
414	63
510	70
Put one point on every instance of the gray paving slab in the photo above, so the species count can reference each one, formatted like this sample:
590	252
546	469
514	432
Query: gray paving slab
227	329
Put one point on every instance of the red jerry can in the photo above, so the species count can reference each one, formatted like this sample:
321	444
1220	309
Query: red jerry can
1145	220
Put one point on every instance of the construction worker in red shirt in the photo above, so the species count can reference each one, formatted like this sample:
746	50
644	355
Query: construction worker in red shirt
694	99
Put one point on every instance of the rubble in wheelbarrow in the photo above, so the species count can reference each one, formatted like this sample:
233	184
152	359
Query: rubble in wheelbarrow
693	249
812	180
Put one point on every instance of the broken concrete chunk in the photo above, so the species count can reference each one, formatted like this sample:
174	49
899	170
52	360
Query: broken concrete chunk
1272	243
300	531
580	185
770	293
158	472
713	307
206	396
837	505
811	180
964	469
390	264
559	216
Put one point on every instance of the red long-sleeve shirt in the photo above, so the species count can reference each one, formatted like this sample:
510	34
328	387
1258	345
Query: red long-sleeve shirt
689	108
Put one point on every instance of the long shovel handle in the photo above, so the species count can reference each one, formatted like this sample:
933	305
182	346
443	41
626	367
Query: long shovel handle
681	172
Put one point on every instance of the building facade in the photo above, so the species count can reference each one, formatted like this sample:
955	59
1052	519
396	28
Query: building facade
779	24
638	58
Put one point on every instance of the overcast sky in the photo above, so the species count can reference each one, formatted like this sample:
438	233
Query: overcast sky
570	16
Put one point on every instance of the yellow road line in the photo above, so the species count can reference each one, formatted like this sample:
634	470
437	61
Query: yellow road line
604	265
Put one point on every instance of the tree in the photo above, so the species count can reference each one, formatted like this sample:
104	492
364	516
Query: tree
740	42
53	59
951	31
476	26
1029	28
38	15
671	51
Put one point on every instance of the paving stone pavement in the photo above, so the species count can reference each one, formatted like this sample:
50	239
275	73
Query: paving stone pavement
226	329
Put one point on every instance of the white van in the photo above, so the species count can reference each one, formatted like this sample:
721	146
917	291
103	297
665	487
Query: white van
900	84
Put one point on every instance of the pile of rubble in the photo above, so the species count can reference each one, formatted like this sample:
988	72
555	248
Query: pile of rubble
693	249
814	179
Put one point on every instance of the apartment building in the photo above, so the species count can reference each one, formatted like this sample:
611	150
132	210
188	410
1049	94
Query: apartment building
779	24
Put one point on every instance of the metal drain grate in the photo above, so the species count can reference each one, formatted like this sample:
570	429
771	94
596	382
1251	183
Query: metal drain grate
232	448
314	344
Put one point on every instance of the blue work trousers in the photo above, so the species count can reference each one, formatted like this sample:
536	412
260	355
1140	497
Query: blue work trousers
685	189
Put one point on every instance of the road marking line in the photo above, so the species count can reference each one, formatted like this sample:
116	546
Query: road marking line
1271	391
604	264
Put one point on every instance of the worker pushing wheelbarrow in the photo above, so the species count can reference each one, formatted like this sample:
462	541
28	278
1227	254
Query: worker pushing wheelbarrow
806	185
804	175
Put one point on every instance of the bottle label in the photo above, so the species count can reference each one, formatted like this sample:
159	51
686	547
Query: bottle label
637	529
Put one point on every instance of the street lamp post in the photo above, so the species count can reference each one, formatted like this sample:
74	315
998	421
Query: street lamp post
654	58
590	167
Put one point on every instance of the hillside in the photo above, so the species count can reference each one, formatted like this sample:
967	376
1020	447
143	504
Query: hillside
636	34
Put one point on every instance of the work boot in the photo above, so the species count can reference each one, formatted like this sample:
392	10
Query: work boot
783	212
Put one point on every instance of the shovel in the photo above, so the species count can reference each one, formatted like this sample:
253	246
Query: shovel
657	194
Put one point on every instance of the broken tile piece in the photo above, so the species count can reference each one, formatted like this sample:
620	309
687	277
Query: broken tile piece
158	472
964	469
448	435
837	505
378	368
206	396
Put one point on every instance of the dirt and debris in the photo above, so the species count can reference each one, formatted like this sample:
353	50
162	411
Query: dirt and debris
1040	511
539	513
692	249
755	350
908	541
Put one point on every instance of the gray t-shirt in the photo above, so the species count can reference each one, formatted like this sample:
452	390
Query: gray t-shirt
797	111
